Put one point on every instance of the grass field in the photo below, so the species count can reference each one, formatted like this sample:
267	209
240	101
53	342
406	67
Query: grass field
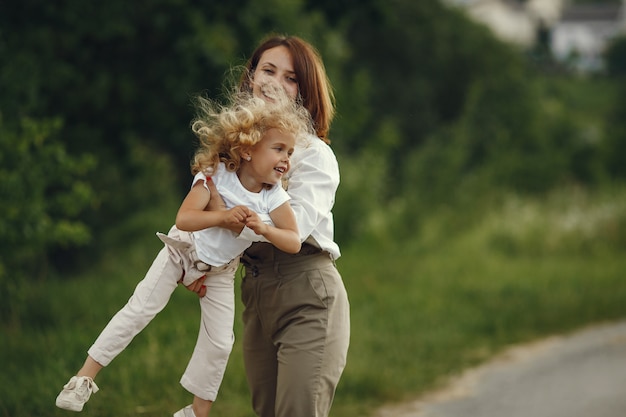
421	310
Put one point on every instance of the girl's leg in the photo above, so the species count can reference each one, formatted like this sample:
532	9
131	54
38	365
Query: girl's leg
90	368
207	365
150	297
201	408
80	387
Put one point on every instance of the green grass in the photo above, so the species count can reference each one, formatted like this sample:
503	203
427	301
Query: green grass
421	310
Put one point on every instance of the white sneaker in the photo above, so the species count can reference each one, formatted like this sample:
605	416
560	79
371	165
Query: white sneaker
76	393
185	412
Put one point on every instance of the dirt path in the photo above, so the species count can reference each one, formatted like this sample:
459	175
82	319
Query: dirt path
578	375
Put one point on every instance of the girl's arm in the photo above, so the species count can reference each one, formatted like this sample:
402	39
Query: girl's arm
217	203
194	213
284	234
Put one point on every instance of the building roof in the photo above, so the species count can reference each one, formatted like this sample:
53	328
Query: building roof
592	12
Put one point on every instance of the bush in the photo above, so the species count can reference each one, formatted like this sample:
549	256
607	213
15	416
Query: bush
44	192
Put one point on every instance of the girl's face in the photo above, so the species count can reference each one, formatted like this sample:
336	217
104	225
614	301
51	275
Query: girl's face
269	160
275	68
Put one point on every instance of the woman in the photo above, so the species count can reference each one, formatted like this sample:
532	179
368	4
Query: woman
296	317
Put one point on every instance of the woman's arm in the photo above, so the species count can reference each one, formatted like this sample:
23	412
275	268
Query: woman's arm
194	213
312	185
284	234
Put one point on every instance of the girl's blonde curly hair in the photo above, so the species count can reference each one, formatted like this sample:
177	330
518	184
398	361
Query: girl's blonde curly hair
224	131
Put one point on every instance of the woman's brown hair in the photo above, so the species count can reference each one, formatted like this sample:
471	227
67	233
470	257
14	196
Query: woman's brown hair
315	90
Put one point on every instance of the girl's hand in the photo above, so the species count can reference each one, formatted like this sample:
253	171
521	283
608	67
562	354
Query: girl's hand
255	223
236	216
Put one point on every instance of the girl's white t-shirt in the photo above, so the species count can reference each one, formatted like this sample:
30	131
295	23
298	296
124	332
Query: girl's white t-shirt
311	182
216	245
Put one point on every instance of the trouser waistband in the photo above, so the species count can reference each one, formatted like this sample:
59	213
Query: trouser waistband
264	258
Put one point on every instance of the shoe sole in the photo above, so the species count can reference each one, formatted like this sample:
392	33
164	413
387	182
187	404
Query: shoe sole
69	406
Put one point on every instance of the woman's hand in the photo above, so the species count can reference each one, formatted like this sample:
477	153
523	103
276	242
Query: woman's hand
216	202
197	286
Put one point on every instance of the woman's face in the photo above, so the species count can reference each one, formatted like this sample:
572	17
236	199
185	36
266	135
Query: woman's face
275	69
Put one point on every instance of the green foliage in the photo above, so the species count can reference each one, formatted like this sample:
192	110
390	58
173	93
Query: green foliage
407	55
415	93
615	145
615	57
433	110
579	222
44	192
119	78
363	182
385	59
447	121
516	146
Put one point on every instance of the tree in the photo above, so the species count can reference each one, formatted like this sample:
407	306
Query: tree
615	146
119	76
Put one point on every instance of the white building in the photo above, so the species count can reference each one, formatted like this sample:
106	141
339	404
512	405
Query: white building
579	34
582	33
513	21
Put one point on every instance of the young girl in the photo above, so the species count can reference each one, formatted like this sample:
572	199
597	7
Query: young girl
246	149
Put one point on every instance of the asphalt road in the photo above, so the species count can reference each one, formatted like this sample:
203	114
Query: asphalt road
578	375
